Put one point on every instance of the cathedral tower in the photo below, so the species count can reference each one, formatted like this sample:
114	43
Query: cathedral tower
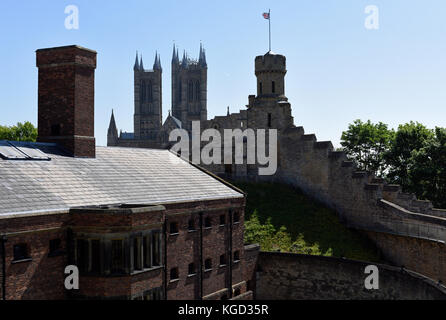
189	88
148	99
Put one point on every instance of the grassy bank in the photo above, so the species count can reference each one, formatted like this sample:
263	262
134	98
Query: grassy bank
279	217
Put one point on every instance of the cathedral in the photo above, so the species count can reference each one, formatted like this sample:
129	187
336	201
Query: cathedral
189	101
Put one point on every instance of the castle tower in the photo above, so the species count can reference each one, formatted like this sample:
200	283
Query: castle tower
270	70
189	88
148	99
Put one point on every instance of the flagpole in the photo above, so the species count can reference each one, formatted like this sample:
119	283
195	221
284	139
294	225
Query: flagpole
269	21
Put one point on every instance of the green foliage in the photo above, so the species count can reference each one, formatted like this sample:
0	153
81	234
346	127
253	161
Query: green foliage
367	143
413	156
20	132
279	217
409	139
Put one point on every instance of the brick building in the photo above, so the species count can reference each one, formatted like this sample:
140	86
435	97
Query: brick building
138	223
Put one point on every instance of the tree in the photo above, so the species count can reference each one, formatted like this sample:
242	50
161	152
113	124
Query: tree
367	143
20	132
409	138
428	171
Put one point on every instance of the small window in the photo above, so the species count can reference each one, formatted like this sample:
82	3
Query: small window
273	87
207	222
55	130
222	220
236	217
173	228
191	269
21	251
269	120
156	249
236	256
191	225
261	87
55	247
174	274
223	260
117	256
207	264
95	256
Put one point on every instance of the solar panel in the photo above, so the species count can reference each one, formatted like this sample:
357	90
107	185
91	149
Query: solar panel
29	150
9	152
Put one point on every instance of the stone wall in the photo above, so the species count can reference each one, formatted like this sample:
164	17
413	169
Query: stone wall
294	276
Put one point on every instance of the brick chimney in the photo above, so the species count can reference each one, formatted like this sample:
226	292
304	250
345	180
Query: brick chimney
66	98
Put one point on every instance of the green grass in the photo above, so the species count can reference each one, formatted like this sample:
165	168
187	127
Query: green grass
279	217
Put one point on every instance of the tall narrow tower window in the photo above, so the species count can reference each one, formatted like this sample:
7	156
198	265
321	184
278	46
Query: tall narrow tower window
197	91
180	91
190	91
143	91
260	87
273	87
269	120
150	92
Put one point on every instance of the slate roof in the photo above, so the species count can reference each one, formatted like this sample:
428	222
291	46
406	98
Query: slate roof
116	175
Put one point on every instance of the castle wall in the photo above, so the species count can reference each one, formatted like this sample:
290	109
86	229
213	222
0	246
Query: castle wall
284	276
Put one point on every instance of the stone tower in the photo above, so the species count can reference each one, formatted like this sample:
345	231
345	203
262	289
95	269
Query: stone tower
270	108
148	99
189	88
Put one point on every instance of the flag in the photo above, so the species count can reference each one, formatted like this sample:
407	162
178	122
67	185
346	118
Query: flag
266	15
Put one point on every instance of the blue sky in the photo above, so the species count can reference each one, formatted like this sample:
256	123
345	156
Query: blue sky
338	70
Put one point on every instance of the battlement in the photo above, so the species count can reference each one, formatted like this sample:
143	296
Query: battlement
270	62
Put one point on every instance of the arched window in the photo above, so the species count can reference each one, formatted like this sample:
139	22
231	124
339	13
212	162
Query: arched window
180	91
143	91
190	91
197	91
149	92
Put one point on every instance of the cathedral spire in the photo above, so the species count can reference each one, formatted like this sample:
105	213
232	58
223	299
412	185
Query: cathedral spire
184	62
157	63
112	130
141	65
175	55
202	58
136	66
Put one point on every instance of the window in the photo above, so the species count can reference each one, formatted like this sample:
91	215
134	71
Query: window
191	269
20	252
147	250
191	225
197	91
236	217
173	228
174	274
261	87
95	256
190	91
117	255
137	254
143	91
207	264
273	87
207	222
156	249
150	92
222	260
269	120
55	130
236	256
82	253
180	88
222	220
54	247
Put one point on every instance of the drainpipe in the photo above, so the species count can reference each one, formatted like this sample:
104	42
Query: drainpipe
4	239
201	256
230	253
165	257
